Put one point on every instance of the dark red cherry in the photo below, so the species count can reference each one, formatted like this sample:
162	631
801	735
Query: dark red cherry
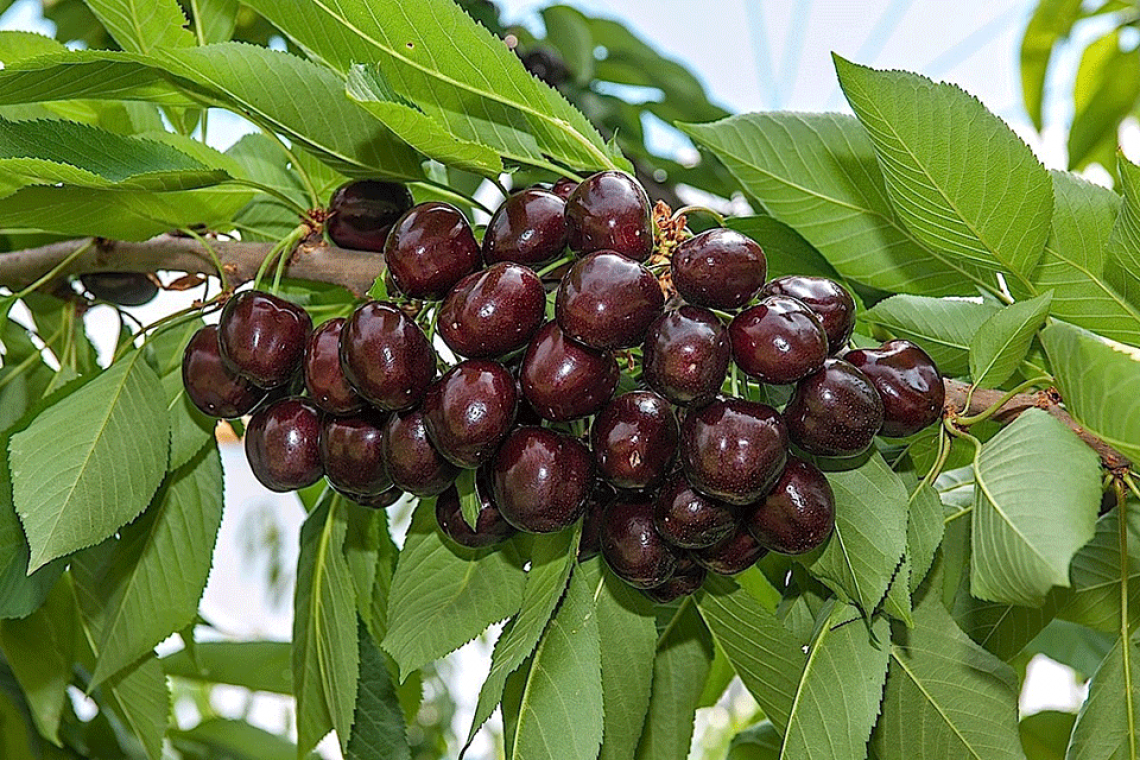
686	580
352	453
210	385
686	354
324	378
361	213
529	228
262	337
563	379
610	211
564	187
382	500
799	514
469	410
834	412
733	555
590	544
282	444
907	380
493	312
386	357
720	268
634	440
631	545
827	298
778	341
490	527
123	288
410	458
541	479
733	450
687	518
429	249
608	301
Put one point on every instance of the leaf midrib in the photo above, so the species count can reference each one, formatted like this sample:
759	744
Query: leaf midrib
930	698
816	647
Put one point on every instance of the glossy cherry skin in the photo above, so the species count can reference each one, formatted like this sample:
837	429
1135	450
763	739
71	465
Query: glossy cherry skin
262	337
529	228
411	460
778	341
324	378
799	514
608	301
352	453
610	211
634	440
733	555
490	527
282	444
631	545
908	382
733	450
541	479
381	500
688	519
469	410
361	213
827	298
210	384
563	379
493	312
429	249
386	357
590	544
834	412
686	355
123	288
687	579
719	268
564	187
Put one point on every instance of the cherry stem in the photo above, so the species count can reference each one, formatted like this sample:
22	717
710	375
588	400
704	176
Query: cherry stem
554	265
82	249
997	405
697	209
213	256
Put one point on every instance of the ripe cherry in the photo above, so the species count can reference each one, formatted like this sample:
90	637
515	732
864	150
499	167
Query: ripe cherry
352	453
733	555
827	298
689	519
610	211
778	341
324	378
210	385
907	380
799	514
834	412
686	355
686	580
541	479
361	213
430	248
282	444
382	500
634	439
631	545
123	288
262	337
563	379
493	312
719	268
564	187
608	301
386	357
733	450
590	544
469	410
529	228
411	460
490	527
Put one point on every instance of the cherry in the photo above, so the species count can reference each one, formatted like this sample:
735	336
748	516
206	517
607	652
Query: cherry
686	580
541	479
634	439
610	211
608	301
210	385
429	249
688	519
490	527
834	412
908	382
282	444
493	312
733	450
733	555
632	547
720	268
385	356
410	459
352	453
686	354
382	500
324	378
529	228
262	337
564	380
361	213
590	544
799	514
779	341
564	187
123	288
827	298
469	410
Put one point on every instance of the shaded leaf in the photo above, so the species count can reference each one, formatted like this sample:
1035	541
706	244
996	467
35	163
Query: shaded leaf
1003	340
943	327
628	640
143	26
378	726
1045	735
254	665
234	740
1105	725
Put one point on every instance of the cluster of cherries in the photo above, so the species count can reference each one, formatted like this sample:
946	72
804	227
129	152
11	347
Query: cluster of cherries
674	477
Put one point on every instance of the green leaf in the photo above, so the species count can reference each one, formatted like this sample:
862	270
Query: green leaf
469	502
97	74
190	430
20	593
1045	735
1122	267
143	26
233	740
18	46
561	710
942	326
1106	724
1095	597
958	176
1051	22
869	539
628	638
1031	516
214	20
924	530
761	742
254	665
325	647
844	674
765	655
817	173
378	728
363	551
1002	341
76	490
1077	646
1106	87
444	595
787	252
1100	383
